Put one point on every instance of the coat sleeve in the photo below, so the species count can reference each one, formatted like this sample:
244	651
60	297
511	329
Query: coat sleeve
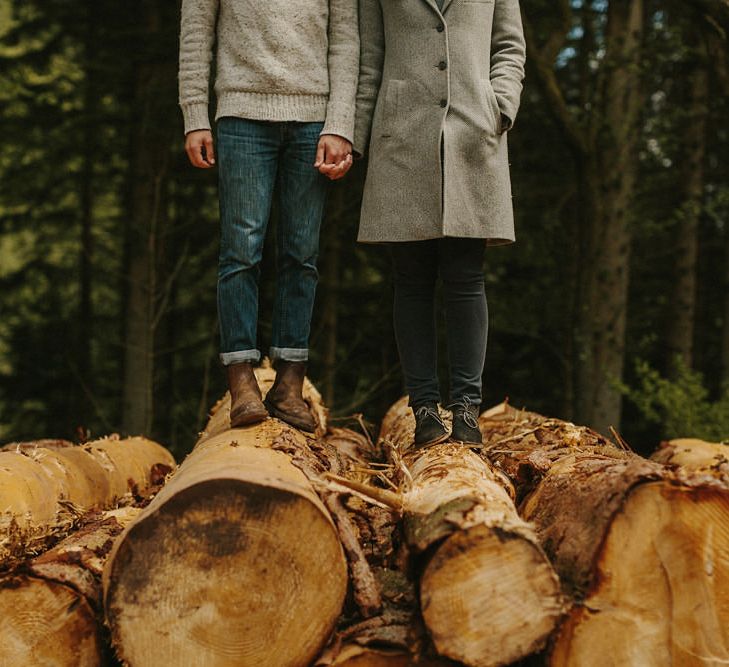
372	55
343	63
508	54
197	35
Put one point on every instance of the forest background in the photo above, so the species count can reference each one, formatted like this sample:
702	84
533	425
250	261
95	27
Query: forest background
611	310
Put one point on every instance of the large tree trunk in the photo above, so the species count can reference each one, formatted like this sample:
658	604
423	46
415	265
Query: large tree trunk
236	558
613	156
680	335
44	491
50	609
152	134
642	549
603	136
485	568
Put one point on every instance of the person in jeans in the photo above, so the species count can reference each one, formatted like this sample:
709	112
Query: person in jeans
440	85
286	80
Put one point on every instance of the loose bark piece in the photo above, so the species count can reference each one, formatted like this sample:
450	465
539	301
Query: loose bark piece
488	594
642	549
237	561
50	611
43	492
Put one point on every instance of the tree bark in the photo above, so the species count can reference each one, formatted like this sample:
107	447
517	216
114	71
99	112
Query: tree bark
50	608
630	539
681	326
485	568
240	509
44	491
152	134
603	137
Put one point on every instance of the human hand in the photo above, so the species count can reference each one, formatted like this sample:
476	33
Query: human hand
333	156
199	148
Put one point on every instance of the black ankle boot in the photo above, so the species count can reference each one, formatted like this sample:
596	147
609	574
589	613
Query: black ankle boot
465	422
429	427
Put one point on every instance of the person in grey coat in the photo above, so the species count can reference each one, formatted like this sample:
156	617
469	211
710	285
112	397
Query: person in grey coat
440	84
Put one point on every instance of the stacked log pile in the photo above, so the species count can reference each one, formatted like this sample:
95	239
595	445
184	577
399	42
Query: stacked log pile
45	490
272	547
50	604
640	547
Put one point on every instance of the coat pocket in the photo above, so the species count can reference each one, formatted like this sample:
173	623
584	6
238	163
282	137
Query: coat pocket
393	91
493	105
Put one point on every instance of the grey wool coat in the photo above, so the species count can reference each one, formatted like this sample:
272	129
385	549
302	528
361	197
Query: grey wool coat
433	85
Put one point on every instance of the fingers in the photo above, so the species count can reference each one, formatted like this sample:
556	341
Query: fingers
209	149
321	153
200	150
338	170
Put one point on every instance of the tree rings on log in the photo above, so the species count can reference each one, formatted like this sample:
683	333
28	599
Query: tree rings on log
661	585
236	561
488	593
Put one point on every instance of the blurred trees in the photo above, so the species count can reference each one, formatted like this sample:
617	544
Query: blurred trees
108	238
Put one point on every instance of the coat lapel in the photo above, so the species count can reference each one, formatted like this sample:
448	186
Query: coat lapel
433	4
446	3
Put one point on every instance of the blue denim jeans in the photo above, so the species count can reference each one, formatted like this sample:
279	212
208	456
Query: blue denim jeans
254	157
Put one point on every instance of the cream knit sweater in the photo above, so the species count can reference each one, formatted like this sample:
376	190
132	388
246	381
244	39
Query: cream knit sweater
277	60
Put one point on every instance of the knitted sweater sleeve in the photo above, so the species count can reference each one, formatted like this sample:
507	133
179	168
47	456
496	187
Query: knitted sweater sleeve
343	63
197	35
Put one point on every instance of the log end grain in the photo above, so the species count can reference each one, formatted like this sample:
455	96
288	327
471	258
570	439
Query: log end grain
226	570
661	585
489	598
46	623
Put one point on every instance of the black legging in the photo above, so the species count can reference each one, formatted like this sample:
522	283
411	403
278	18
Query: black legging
417	265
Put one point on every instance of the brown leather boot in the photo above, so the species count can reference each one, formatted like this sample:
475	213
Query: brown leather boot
246	406
285	401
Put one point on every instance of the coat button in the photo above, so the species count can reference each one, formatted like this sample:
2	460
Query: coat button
444	103
442	65
440	27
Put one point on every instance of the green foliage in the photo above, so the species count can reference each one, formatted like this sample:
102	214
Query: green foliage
681	406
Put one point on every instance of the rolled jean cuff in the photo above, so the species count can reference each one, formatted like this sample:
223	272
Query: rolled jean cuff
289	353
230	358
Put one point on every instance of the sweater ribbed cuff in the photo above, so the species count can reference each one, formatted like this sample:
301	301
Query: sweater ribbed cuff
339	122
195	116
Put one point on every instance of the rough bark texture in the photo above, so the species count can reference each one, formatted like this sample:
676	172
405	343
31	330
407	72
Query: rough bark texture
641	548
152	136
393	634
680	334
603	137
50	607
237	558
44	491
484	565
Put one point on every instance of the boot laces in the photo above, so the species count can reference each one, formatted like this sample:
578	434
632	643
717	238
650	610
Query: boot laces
465	409
427	411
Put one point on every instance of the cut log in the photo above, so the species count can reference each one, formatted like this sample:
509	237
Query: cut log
43	491
236	561
488	593
50	609
695	455
642	549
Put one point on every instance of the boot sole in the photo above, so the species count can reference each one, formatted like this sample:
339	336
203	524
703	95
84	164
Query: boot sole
430	443
285	417
248	420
